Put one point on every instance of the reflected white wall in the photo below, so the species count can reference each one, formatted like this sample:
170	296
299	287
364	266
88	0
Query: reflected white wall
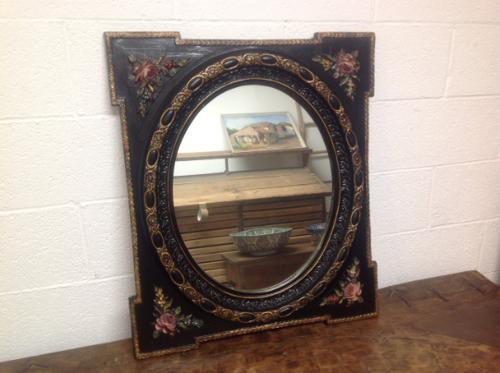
206	133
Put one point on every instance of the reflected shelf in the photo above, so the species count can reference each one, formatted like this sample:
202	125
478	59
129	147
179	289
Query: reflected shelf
246	186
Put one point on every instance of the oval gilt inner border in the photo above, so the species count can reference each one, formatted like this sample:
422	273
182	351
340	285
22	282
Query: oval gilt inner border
288	75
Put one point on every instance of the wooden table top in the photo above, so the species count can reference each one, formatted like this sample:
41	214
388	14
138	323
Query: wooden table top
247	186
237	258
445	324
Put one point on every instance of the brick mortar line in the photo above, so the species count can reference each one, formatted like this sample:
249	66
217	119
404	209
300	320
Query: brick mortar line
451	22
67	67
69	284
37	208
83	204
184	20
91	274
130	275
46	118
368	21
467	222
437	228
62	205
437	98
451	51
373	10
481	246
452	164
123	198
489	272
111	115
430	200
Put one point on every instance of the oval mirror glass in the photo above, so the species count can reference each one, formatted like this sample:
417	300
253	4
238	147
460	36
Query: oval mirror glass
252	188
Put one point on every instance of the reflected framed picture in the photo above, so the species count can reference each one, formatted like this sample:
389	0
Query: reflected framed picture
261	131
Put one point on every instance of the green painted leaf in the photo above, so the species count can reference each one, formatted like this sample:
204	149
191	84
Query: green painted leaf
168	303
159	308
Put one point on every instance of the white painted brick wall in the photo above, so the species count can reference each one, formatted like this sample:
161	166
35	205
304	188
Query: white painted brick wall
475	49
411	60
65	257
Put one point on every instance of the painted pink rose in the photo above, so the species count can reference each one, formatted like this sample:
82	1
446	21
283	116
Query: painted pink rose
170	64
352	291
166	323
145	72
332	299
347	63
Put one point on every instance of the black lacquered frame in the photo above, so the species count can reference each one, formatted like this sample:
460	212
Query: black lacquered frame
151	142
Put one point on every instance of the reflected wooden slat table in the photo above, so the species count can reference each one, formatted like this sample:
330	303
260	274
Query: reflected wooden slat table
444	324
233	202
257	272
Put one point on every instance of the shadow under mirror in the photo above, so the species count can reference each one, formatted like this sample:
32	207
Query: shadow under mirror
252	188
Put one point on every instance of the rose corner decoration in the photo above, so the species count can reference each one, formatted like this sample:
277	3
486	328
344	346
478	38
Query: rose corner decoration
149	75
348	289
170	320
344	67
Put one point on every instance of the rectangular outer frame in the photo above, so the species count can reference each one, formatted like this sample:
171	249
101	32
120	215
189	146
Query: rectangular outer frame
148	270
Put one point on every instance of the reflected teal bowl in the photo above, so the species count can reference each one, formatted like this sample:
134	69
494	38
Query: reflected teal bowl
261	241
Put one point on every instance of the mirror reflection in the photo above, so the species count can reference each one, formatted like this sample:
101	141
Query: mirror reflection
252	188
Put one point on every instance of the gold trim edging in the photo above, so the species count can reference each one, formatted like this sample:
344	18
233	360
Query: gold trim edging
316	39
327	319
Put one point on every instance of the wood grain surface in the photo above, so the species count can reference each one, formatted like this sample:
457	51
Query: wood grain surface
258	272
240	154
247	186
208	240
444	324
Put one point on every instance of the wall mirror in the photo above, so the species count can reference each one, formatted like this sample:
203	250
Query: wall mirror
247	180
